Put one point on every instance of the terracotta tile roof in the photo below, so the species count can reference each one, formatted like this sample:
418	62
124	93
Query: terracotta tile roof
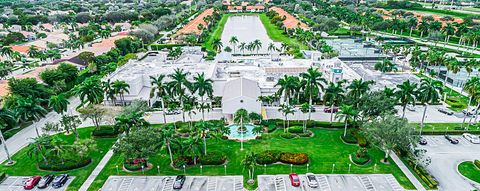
35	73
192	26
290	21
20	48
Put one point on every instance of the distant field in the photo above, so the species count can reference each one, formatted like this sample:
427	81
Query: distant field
442	12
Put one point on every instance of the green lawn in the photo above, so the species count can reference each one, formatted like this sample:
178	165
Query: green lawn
324	150
276	33
27	166
444	126
469	170
217	32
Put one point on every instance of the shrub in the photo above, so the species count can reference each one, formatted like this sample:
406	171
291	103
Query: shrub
271	127
360	160
268	157
213	158
362	141
423	174
67	165
293	158
306	134
349	138
361	152
182	160
135	165
106	131
162	46
295	129
183	130
477	163
2	176
287	135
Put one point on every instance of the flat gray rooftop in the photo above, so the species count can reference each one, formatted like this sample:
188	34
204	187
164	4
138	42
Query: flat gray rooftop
348	48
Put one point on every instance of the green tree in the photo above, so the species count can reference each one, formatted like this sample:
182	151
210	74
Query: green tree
140	144
38	147
217	45
159	90
234	41
178	85
30	109
168	134
385	66
249	163
428	93
390	132
202	87
334	94
288	85
120	87
314	84
90	91
95	113
241	117
406	93
59	103
286	110
7	118
71	122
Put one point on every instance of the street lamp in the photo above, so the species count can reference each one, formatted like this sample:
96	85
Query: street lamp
333	168
225	166
291	168
375	168
349	167
158	169
264	168
201	169
117	169
184	171
143	172
307	166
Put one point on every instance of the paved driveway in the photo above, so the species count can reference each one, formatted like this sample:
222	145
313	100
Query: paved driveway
14	183
445	159
165	183
331	182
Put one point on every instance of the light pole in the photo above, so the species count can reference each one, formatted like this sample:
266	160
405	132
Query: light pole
158	169
333	168
184	170
225	166
117	168
264	168
375	168
307	167
291	168
201	170
349	167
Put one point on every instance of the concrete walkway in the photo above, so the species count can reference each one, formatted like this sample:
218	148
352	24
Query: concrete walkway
97	170
407	172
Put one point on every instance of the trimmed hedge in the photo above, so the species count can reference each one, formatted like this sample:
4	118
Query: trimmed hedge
213	158
362	141
424	175
349	138
306	134
288	135
273	156
67	165
163	46
451	132
360	160
106	131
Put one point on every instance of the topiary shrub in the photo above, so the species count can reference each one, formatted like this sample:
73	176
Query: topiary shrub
360	160
66	165
287	135
293	158
135	165
477	163
213	158
306	134
349	138
268	157
295	129
271	127
106	131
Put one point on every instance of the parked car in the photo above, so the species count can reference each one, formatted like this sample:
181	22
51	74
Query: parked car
179	181
451	139
31	182
45	181
312	180
411	107
313	109
59	181
445	111
329	110
294	179
472	138
172	112
423	141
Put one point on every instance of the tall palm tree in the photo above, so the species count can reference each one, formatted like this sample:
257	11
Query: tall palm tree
287	84
159	90
168	134
241	117
347	112
334	93
305	108
178	86
257	44
204	129
6	51
217	45
314	84
203	87
233	41
428	92
109	91
30	109
90	91
194	147
33	51
7	118
358	88
472	87
406	93
121	87
286	109
242	47
271	47
249	163
59	103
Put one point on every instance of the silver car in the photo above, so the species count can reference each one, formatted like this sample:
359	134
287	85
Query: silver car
312	180
472	138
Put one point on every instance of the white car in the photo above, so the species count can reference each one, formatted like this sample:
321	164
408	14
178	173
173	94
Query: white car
410	107
472	138
312	180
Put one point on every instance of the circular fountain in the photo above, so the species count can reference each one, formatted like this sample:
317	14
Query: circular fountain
237	133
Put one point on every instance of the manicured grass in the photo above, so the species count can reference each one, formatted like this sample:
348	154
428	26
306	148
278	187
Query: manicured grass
217	32
276	33
442	12
324	150
469	170
424	184
27	166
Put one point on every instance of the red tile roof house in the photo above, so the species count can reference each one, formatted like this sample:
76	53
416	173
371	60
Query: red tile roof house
250	8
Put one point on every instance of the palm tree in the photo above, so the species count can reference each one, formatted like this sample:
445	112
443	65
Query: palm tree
472	87
204	129
286	109
217	45
305	108
159	90
314	83
257	44
234	41
33	51
428	93
7	118
6	51
30	109
284	47
168	134
194	147
121	87
271	47
188	108
203	86
242	47
347	112
385	66
109	91
90	91
59	103
358	88
241	117
287	84
406	93
178	85
249	163
38	147
334	94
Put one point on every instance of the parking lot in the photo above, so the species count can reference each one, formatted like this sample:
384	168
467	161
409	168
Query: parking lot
446	157
14	183
165	183
331	182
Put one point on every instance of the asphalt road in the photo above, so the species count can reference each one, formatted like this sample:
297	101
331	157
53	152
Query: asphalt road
446	157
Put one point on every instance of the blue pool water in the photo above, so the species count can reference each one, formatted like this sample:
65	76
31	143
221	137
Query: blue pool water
234	134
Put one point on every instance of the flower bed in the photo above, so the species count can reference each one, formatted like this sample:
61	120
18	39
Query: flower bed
66	165
424	175
213	158
349	138
273	156
288	135
360	160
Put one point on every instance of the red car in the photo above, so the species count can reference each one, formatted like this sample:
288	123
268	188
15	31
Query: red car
294	179
31	182
329	110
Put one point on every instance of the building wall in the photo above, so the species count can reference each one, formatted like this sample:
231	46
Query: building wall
232	105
